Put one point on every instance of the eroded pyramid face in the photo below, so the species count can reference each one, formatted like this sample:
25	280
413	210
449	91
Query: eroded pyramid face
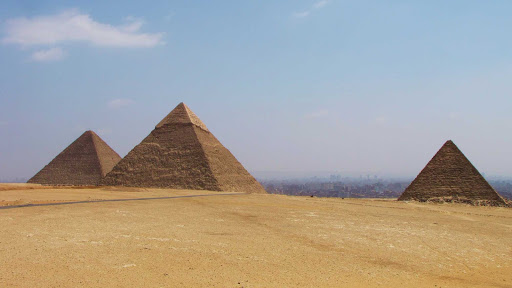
85	162
181	153
450	176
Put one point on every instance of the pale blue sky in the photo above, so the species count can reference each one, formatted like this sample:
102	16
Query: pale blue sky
349	86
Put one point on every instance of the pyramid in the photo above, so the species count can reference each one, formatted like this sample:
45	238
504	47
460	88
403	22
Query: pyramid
450	177
181	153
84	162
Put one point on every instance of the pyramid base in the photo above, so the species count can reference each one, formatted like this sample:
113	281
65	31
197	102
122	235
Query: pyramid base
462	200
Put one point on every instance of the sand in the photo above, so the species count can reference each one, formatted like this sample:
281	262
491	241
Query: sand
246	240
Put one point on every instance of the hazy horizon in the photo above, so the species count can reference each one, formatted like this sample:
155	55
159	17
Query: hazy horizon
287	87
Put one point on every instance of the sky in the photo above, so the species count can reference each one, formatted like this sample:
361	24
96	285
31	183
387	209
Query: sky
287	86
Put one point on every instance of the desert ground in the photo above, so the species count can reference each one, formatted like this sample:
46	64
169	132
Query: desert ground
69	237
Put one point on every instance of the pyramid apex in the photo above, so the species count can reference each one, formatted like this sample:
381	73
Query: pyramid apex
450	146
181	114
91	134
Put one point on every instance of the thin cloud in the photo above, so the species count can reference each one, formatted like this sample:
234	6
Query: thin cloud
168	17
381	120
52	54
317	114
3	123
316	6
454	116
320	4
134	24
120	102
73	26
301	14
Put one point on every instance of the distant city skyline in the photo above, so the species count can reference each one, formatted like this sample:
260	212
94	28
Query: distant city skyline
363	87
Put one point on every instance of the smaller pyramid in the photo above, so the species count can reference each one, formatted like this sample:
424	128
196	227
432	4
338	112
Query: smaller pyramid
450	177
84	162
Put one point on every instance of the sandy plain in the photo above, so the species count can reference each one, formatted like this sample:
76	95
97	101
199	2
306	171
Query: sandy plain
207	239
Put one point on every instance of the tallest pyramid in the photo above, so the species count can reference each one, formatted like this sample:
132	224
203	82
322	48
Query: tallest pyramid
181	153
